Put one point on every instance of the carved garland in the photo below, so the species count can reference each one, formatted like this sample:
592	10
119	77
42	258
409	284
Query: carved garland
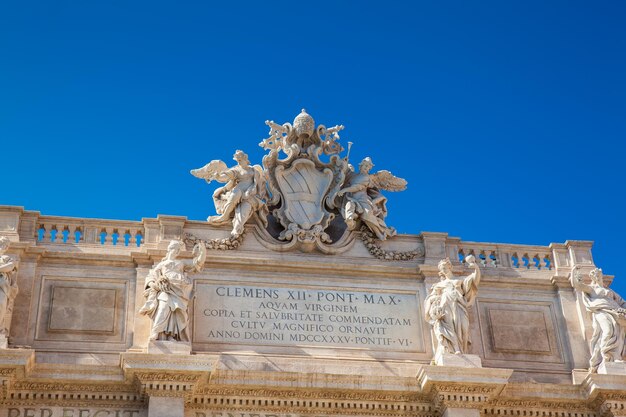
368	238
230	243
372	245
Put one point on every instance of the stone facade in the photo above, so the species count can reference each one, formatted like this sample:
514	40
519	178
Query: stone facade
296	313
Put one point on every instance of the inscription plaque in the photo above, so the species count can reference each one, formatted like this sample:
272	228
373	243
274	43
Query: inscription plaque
36	411
341	318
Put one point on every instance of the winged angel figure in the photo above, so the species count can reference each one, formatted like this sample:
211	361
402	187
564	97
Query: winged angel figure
362	198
243	195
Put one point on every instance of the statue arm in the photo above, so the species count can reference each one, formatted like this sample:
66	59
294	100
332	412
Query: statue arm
151	278
8	266
199	252
225	176
352	189
576	279
474	277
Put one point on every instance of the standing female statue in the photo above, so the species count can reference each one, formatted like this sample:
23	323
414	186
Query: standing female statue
168	292
446	307
242	196
608	310
8	284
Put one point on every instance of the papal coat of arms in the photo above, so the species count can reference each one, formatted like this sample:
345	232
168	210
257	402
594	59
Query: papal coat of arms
305	195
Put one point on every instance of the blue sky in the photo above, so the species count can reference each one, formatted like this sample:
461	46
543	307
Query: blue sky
507	118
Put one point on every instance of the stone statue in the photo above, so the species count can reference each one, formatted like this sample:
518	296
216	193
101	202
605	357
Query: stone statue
8	284
168	291
243	195
608	310
446	307
363	201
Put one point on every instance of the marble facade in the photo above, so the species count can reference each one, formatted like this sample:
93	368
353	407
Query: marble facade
285	318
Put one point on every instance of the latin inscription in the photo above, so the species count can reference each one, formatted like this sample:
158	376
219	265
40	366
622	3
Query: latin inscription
70	412
306	317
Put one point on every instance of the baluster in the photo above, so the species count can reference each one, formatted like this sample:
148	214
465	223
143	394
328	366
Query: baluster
540	263
71	233
123	237
41	233
108	239
535	262
101	238
482	259
60	234
548	261
493	261
473	253
52	232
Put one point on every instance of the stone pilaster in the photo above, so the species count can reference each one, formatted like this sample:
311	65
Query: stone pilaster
167	380
573	322
140	323
10	222
170	227
579	252
434	247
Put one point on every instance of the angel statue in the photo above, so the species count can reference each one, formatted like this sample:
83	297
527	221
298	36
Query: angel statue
243	195
362	198
168	291
608	311
446	307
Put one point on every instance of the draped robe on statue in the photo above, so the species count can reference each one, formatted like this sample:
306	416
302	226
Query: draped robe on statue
168	308
446	310
609	326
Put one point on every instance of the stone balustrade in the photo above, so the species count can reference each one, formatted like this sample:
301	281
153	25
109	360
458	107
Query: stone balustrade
64	230
30	226
508	256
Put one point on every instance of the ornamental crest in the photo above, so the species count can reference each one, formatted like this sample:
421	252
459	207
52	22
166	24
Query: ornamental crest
306	195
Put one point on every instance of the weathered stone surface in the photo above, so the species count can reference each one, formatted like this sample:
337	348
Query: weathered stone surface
166	407
82	309
169	347
298	300
458	360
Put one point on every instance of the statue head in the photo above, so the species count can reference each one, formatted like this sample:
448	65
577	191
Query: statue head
597	276
175	247
365	165
241	157
4	244
445	268
304	125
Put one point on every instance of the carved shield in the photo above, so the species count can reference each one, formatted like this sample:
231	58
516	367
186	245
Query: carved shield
303	188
